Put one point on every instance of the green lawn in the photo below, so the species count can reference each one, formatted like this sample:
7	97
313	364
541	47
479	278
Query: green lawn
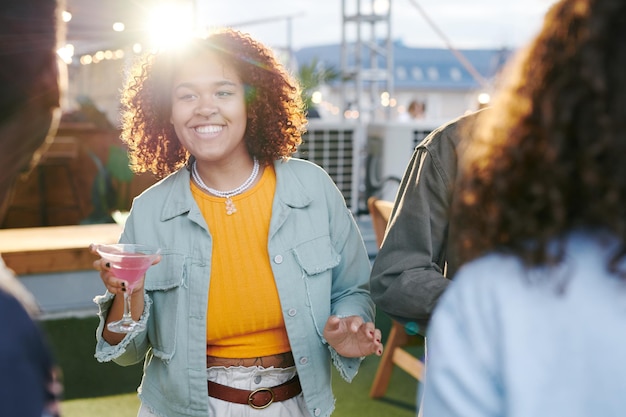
73	344
94	389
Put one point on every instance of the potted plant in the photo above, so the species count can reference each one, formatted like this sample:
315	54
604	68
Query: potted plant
110	192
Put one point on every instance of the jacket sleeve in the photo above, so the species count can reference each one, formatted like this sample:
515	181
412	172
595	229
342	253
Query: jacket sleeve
133	347
350	295
350	287
408	274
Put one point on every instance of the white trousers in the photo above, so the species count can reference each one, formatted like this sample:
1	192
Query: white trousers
248	378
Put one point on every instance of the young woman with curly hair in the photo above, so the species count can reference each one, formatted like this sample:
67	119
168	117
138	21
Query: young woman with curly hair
263	276
535	323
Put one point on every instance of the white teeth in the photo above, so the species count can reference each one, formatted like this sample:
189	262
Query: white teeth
208	129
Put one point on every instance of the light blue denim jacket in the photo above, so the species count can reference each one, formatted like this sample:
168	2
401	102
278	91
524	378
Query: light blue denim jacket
320	265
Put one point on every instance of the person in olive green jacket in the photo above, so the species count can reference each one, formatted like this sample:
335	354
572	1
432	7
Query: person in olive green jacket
415	262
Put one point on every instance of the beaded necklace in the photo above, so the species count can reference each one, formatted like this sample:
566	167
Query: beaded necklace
230	206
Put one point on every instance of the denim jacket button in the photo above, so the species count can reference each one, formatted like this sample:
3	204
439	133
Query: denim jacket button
304	361
317	411
278	259
292	312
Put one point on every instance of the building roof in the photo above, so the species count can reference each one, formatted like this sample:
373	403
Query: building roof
421	68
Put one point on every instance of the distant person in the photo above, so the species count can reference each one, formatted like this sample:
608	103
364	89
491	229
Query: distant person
415	111
260	288
313	113
534	323
29	106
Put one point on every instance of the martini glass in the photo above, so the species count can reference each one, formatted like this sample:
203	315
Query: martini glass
128	262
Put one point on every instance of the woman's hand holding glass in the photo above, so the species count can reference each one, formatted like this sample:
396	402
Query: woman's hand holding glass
113	284
122	270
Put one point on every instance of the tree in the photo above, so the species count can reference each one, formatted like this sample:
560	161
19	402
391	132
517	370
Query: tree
311	76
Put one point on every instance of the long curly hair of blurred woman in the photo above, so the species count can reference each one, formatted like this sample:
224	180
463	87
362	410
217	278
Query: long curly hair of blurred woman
275	111
549	156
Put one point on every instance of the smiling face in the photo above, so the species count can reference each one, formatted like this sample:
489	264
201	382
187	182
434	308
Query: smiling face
209	110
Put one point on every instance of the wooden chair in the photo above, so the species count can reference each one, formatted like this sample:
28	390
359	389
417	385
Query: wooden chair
394	354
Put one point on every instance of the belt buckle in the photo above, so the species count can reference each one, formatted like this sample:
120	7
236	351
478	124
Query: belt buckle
256	391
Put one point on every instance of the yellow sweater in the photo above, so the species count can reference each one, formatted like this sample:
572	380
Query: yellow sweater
244	317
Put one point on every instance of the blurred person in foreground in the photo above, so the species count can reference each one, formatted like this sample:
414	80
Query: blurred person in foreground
534	323
29	112
259	289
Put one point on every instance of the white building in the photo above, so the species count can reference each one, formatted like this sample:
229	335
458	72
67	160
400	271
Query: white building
447	82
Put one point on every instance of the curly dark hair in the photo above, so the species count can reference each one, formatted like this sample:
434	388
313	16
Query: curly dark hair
275	111
549	157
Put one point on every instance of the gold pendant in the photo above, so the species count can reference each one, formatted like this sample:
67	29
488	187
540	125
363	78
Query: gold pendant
230	206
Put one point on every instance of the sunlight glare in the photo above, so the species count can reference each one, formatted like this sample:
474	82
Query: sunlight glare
484	98
316	97
381	7
66	53
170	24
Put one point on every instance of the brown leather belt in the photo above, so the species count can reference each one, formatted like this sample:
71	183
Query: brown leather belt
259	398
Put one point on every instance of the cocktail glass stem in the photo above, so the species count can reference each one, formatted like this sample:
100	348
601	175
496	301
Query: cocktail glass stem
127	318
126	324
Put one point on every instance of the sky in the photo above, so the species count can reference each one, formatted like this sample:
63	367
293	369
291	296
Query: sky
464	23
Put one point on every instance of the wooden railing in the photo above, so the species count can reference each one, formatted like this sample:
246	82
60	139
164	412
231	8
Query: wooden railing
40	250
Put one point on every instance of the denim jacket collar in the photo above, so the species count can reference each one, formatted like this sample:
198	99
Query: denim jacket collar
289	193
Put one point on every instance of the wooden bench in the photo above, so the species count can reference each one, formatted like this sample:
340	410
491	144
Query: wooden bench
40	250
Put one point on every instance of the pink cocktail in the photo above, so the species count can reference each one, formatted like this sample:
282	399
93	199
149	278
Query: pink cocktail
128	262
131	268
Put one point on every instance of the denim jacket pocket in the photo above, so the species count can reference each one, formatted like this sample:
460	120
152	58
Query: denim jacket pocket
317	258
163	285
317	255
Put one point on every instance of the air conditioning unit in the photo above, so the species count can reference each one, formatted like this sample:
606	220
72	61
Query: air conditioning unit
389	149
337	148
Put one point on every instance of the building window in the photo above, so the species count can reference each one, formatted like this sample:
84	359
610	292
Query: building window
433	73
401	73
456	74
417	73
